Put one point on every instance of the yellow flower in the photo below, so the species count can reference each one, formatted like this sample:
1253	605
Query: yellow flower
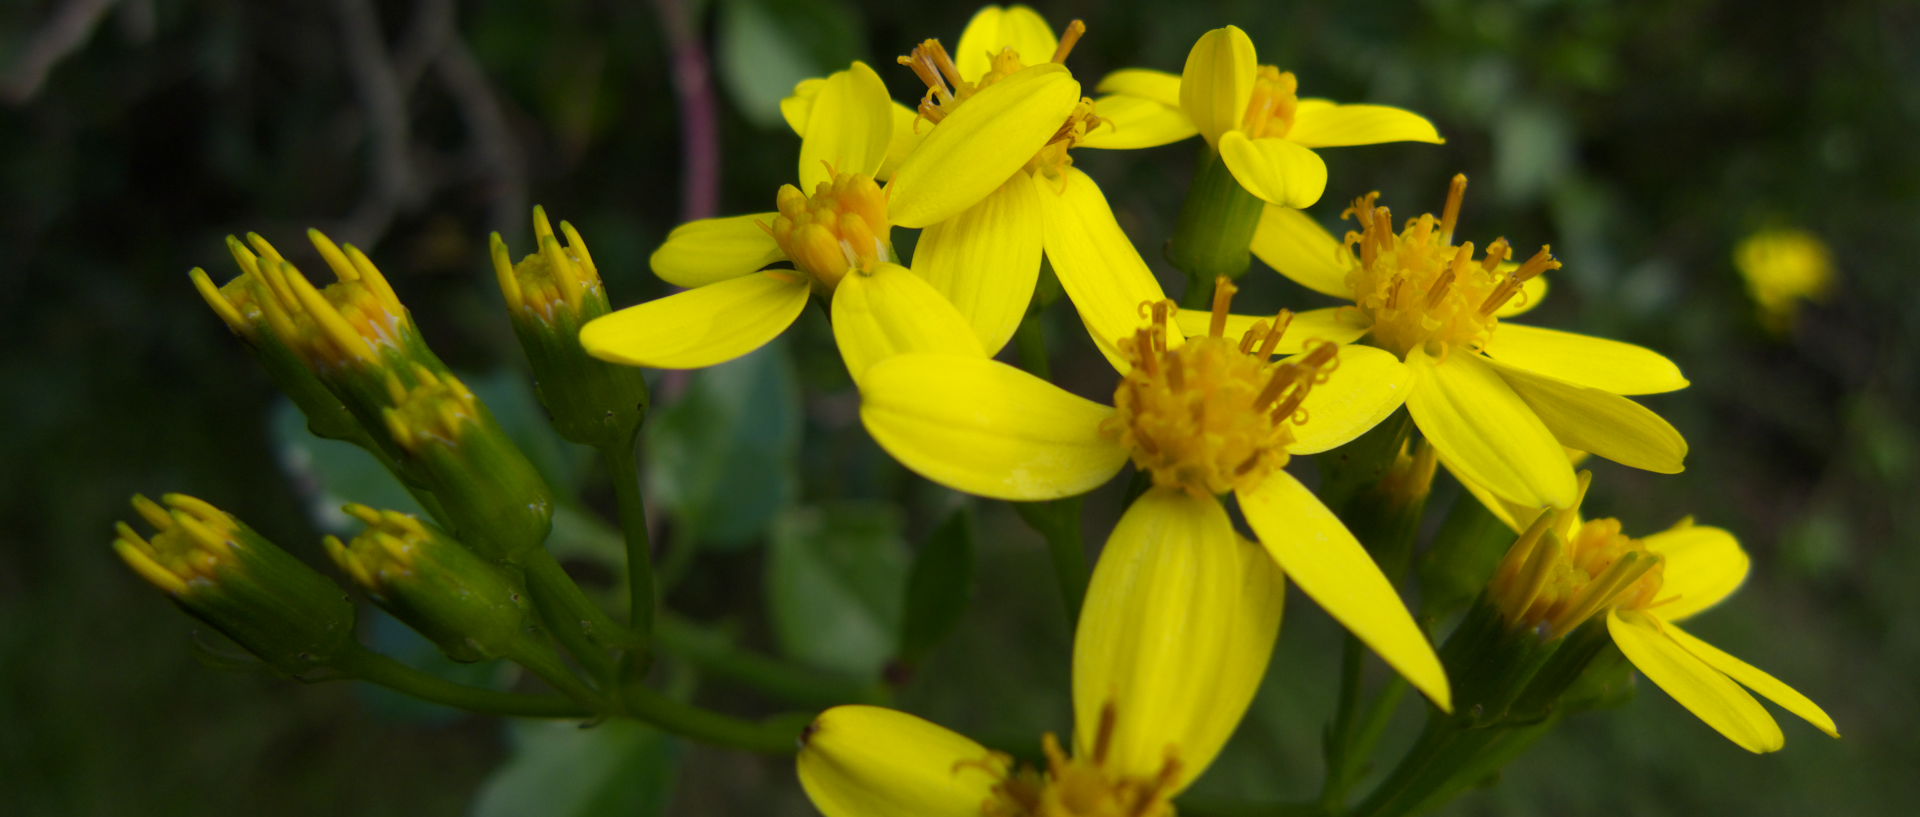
1205	416
1252	115
839	236
1783	267
985	256
1498	400
1564	571
1179	623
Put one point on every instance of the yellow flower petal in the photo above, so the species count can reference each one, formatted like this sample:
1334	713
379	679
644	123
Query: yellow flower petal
1276	170
986	260
1217	83
1145	83
1326	126
711	250
1704	566
1485	432
1334	324
986	428
1603	423
1769	687
849	127
1608	365
798	106
1178	625
994	29
796	109
892	311
1368	385
868	761
1097	264
1706	692
971	153
1331	567
1295	245
1131	122
1531	293
700	327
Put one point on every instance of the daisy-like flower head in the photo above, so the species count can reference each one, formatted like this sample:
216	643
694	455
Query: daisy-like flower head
1498	400
1564	571
1205	415
1173	641
835	228
1783	267
1253	116
991	205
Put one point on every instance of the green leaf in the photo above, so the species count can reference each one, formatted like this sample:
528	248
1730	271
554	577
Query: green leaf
559	769
834	581
768	46
939	587
724	456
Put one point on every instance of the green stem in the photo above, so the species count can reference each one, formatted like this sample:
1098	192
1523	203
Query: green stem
1214	230
1031	342
1059	522
625	469
775	736
373	667
1340	738
579	624
713	653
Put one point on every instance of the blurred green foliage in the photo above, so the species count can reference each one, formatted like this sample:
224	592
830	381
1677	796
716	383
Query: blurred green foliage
1641	140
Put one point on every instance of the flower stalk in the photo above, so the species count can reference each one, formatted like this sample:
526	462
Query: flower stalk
1214	230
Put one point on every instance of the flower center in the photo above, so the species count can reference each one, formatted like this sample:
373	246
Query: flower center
842	226
388	549
1420	289
1213	415
437	408
356	318
1084	787
192	542
946	90
1554	584
555	280
1270	110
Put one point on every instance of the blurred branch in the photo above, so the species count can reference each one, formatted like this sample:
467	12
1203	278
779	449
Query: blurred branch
495	153
388	131
699	133
72	24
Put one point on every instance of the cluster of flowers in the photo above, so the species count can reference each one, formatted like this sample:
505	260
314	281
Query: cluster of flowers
1183	610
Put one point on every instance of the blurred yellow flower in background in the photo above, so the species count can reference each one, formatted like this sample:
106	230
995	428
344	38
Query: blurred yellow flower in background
1783	267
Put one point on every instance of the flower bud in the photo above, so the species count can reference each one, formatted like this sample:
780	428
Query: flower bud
485	487
223	573
550	295
472	608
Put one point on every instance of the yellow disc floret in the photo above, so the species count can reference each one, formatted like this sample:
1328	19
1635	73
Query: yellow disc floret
437	408
1562	572
557	279
193	543
1084	786
946	91
1423	291
843	226
354	319
1213	415
1271	108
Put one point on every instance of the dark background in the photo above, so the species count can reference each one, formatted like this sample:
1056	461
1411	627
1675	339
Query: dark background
1640	140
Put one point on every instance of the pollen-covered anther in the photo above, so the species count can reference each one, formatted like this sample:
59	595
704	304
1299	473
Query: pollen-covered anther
1085	786
1213	415
946	91
1420	289
843	226
1555	584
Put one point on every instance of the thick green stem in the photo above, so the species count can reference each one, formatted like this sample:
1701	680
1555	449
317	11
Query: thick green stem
625	469
1214	231
373	667
775	736
714	653
579	624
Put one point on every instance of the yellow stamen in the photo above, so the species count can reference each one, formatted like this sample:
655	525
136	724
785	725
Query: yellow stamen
1075	30
1556	577
1214	414
1271	108
947	91
842	227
